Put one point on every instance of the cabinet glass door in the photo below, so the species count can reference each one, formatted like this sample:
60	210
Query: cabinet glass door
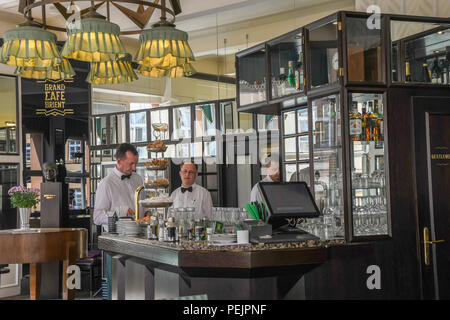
252	77
367	157
327	161
286	66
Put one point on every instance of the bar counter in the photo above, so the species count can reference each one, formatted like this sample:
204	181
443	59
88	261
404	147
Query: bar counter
149	269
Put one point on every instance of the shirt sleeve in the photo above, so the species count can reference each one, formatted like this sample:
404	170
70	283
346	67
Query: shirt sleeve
102	207
207	204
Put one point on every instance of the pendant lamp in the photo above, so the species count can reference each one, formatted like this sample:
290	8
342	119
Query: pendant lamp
93	39
112	72
165	47
29	45
62	71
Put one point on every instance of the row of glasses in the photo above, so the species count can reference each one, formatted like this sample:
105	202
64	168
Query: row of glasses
376	179
370	215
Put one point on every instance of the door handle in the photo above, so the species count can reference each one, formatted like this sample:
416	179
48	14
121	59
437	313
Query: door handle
426	245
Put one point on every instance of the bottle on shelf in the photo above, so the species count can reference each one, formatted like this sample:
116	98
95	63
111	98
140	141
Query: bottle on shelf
380	122
436	71
408	72
300	71
443	64
291	75
364	122
319	128
332	124
425	72
375	122
355	122
282	82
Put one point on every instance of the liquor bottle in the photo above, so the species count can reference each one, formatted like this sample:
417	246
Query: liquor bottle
282	83
363	121
375	133
425	72
444	71
436	71
318	128
355	123
300	71
291	75
332	124
370	121
408	72
379	114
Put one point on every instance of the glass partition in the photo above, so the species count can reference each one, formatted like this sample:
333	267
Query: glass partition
363	51
286	66
323	54
367	154
420	52
267	122
252	77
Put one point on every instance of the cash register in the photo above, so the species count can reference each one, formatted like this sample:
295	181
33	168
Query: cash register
286	201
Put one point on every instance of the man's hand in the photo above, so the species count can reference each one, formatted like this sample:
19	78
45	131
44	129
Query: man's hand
130	213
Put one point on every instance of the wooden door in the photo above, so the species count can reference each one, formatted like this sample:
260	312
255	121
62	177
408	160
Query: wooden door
432	159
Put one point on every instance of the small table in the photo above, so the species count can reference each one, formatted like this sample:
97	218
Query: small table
36	246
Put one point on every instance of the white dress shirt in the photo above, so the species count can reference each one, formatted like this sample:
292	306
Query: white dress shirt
256	195
200	198
112	193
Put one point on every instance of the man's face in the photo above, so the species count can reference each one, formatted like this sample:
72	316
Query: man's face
274	171
128	164
188	174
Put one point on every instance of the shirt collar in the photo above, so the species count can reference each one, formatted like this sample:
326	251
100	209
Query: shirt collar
118	173
267	179
193	186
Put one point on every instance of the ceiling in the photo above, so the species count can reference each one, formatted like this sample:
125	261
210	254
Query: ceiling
216	28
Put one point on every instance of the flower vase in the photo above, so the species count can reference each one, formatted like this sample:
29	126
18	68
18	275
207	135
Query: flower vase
24	218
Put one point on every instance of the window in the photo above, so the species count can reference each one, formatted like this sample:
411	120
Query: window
138	127
74	147
107	107
27	152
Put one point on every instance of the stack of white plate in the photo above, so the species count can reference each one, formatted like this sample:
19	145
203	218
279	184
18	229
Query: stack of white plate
224	238
128	228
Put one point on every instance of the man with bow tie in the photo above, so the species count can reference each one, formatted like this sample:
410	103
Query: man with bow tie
117	189
191	194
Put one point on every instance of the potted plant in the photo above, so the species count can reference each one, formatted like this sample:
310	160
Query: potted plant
24	199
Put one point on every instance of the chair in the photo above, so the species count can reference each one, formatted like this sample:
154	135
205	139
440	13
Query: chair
91	266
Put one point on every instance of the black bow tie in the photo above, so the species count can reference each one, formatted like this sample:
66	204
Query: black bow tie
183	190
125	176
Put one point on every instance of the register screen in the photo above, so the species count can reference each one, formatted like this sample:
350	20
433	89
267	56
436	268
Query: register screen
289	199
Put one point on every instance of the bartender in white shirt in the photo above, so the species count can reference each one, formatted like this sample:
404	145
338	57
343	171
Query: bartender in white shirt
272	167
116	191
191	194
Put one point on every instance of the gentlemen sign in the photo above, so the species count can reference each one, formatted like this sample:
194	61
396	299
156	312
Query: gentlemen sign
55	99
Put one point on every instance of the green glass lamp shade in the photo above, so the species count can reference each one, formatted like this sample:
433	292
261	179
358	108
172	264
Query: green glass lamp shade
112	72
176	72
60	72
93	40
164	47
29	46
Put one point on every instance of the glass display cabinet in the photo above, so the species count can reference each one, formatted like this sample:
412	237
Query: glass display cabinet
334	128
